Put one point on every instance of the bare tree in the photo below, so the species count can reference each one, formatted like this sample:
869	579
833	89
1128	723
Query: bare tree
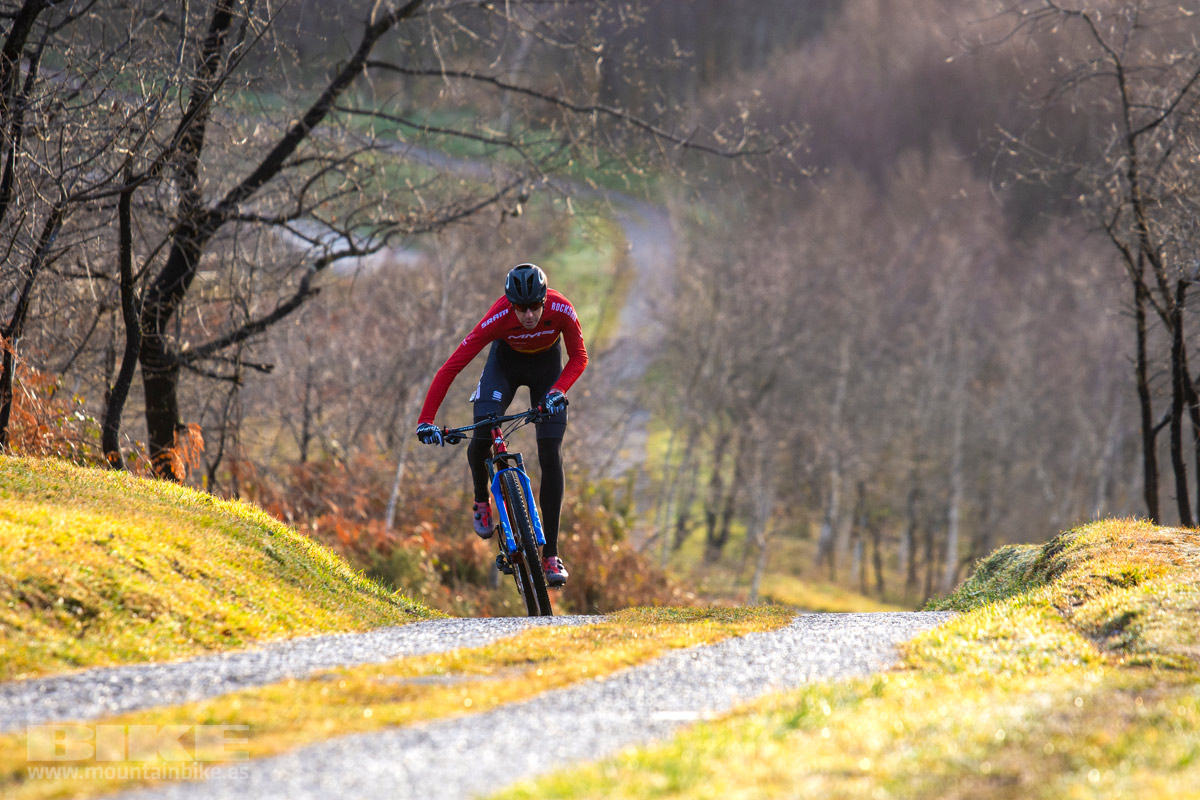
241	175
1132	68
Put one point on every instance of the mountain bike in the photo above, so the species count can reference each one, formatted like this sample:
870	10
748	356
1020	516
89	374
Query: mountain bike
519	526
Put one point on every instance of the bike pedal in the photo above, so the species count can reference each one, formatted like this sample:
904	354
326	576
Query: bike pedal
503	565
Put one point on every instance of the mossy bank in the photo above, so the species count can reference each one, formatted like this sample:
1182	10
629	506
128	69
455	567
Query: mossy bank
1070	671
98	567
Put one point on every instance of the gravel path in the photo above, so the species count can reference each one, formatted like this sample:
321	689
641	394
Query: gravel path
482	753
101	692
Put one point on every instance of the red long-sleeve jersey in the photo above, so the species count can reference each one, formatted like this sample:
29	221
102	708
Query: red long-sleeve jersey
558	320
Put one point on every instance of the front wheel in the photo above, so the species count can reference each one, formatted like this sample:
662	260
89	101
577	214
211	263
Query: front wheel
527	562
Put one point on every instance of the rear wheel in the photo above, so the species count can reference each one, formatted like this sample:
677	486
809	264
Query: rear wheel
527	562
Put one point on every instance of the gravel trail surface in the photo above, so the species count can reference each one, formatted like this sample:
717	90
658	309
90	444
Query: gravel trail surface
94	693
481	754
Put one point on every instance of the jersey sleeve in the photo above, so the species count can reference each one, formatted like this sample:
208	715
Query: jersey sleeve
462	355
577	357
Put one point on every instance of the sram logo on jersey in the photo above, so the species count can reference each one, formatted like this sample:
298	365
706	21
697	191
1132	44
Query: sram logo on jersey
564	308
492	319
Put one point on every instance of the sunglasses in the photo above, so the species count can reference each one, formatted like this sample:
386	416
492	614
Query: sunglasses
525	309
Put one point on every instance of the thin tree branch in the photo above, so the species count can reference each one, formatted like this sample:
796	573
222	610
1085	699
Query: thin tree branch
578	108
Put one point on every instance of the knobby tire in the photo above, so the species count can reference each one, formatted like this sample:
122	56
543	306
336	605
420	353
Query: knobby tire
531	581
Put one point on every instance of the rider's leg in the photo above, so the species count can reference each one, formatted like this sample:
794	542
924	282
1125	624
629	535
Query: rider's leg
481	509
546	367
550	495
477	455
491	396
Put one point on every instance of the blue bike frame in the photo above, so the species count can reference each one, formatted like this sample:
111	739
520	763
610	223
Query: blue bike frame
520	547
500	463
496	470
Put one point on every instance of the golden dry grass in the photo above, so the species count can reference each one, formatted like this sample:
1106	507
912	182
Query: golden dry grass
1071	671
99	567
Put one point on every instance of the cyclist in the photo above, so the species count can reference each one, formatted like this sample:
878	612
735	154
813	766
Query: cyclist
525	328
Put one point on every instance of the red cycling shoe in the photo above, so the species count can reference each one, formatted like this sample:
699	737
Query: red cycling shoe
484	528
556	572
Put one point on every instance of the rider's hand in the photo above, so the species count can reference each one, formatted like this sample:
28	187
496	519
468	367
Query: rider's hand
555	402
429	434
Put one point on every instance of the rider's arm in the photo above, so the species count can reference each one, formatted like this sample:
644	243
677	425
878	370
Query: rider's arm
482	334
577	357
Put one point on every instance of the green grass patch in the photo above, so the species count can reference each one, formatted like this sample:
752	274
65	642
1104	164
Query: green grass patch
462	132
360	699
1070	671
780	587
100	568
589	265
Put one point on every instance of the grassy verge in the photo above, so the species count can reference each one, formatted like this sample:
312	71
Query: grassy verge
591	268
778	587
101	568
287	715
1071	671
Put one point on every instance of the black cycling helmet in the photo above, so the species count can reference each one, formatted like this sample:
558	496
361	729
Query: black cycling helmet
525	285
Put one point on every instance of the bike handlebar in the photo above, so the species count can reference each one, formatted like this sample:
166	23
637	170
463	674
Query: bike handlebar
456	435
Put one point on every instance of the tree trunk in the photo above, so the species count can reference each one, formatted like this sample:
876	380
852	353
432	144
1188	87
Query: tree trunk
909	542
762	493
858	533
1146	407
7	379
716	491
826	540
683	509
110	434
12	119
306	413
716	543
663	512
957	480
931	564
876	533
160	364
407	423
11	334
1182	490
760	569
12	103
1193	406
877	558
